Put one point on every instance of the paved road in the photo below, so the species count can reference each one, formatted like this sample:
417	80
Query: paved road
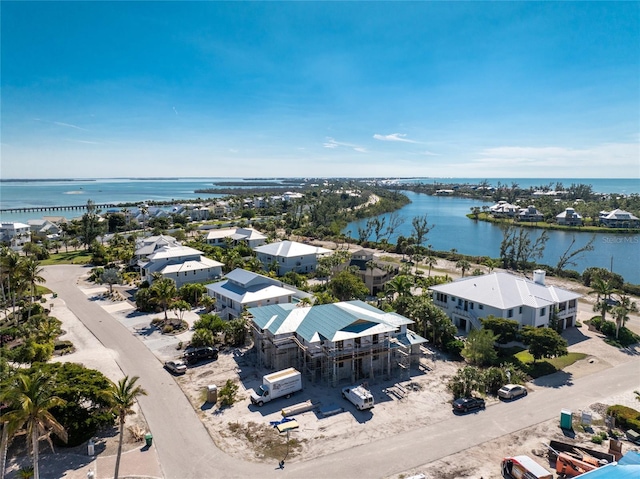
187	451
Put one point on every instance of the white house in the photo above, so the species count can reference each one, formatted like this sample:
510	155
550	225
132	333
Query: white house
15	234
180	263
249	236
569	217
148	245
290	256
530	302
619	219
245	289
502	209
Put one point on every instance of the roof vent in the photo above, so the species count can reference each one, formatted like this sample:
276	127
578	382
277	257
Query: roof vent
538	276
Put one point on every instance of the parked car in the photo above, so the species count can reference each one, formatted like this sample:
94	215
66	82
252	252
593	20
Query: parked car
467	404
177	366
195	355
512	391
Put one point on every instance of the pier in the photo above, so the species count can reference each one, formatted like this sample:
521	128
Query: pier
36	209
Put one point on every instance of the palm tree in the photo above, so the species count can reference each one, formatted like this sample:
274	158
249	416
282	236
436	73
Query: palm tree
604	289
464	265
430	261
491	264
123	396
622	310
30	271
11	265
164	290
29	398
400	285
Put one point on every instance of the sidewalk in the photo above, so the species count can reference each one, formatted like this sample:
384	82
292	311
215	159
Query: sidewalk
136	463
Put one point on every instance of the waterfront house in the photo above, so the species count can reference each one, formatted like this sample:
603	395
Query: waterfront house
618	219
249	236
502	209
505	295
290	256
569	217
180	263
373	272
335	343
244	289
530	214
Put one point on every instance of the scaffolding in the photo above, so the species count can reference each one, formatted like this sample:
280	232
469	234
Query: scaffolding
384	359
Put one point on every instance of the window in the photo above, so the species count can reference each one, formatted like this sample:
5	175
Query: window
572	303
543	312
510	313
357	342
374	339
470	305
340	364
481	306
520	310
340	345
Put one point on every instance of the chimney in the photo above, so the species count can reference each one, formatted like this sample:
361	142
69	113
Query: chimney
538	276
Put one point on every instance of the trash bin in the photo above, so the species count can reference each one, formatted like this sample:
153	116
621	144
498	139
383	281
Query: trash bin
148	439
91	448
565	419
212	393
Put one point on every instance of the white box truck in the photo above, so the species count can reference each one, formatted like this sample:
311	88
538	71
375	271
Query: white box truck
359	396
278	384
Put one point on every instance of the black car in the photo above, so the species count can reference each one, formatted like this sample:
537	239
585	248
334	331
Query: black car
195	355
467	404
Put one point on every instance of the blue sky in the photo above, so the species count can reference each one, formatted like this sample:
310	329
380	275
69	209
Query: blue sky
466	89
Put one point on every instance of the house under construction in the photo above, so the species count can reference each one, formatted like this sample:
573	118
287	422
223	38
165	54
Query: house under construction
347	341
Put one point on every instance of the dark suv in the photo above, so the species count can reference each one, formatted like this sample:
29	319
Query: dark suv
467	404
195	355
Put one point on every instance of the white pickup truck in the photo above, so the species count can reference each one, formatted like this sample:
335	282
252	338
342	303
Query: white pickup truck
359	396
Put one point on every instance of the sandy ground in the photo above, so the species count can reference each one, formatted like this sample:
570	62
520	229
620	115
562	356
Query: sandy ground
244	431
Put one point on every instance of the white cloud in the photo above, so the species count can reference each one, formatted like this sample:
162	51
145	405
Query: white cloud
83	141
59	123
607	160
333	144
430	153
394	137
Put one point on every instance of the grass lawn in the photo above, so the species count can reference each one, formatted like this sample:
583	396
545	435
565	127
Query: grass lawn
549	365
72	257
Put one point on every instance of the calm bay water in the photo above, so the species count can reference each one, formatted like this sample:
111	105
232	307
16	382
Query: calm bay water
452	228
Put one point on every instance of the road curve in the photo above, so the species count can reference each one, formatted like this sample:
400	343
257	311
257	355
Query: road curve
187	451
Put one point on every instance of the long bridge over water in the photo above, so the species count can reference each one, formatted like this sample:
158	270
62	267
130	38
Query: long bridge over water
35	209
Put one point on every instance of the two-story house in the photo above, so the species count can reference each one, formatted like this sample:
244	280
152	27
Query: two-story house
249	236
373	272
181	264
505	295
244	289
333	343
290	256
15	234
530	214
569	217
619	219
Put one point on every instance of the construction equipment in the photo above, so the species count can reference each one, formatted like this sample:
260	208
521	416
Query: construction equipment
573	460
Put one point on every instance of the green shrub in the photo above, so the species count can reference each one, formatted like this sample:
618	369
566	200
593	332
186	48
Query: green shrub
597	439
167	328
608	328
626	417
633	289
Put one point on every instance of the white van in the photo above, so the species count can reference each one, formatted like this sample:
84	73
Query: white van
359	396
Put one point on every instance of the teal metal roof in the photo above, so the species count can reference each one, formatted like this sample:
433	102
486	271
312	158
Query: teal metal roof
325	321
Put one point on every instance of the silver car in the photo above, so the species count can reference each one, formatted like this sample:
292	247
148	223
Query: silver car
512	391
177	366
